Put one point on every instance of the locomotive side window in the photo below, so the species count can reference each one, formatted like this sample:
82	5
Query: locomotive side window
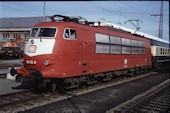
102	38
134	50
141	44
115	40
102	48
126	41
125	50
135	43
116	49
125	46
116	45
66	33
141	50
102	43
70	34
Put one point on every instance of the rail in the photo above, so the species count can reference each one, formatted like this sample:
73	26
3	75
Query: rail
14	98
141	102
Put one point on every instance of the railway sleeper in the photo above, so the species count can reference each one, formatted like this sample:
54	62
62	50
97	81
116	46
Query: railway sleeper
143	110
162	103
155	109
156	105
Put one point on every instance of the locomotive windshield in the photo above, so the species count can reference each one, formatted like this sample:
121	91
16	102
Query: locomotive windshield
43	32
33	32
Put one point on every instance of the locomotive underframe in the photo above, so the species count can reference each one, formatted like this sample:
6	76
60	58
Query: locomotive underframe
73	82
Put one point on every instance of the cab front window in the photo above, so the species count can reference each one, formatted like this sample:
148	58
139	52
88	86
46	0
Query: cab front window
43	32
47	32
33	32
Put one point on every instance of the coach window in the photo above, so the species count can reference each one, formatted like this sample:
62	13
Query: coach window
70	33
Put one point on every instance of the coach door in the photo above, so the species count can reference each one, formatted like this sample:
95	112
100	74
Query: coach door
85	56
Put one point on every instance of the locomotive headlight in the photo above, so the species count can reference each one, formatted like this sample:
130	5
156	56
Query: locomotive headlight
46	62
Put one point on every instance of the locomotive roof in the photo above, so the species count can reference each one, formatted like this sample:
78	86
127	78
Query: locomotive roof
115	27
121	28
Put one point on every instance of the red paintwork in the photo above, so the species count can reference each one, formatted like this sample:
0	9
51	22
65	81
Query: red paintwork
69	55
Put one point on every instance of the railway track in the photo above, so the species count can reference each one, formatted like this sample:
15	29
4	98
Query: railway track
34	100
15	98
2	76
155	100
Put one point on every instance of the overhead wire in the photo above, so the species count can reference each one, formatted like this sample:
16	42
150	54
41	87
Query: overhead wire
115	12
87	2
49	9
27	6
143	13
104	8
18	9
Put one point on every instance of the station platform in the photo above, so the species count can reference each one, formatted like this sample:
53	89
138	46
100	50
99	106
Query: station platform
4	71
6	86
10	63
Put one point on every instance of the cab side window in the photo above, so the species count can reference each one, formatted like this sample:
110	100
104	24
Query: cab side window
70	33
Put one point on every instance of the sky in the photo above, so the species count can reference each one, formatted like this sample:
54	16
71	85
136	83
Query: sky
117	12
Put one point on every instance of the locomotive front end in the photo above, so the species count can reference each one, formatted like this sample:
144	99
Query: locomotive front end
38	53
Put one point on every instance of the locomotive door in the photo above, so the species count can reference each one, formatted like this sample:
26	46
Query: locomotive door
85	56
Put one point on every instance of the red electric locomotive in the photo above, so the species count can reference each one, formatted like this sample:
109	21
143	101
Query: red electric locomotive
70	51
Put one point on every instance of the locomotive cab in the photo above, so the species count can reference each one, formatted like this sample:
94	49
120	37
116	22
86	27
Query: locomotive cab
38	51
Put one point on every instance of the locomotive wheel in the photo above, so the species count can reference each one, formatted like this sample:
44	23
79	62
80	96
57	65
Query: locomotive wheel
19	78
107	77
71	83
43	85
137	70
91	80
131	72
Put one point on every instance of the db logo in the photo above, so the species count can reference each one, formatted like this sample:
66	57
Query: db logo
32	48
